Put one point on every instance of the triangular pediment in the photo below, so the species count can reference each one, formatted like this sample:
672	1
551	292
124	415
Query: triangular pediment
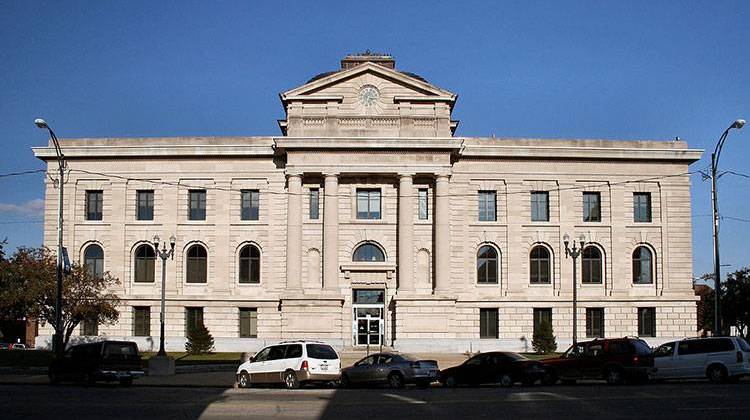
402	84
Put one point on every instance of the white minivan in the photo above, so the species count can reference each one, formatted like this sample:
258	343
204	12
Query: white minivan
292	363
716	358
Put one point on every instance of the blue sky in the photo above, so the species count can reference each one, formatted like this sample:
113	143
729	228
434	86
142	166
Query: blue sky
583	69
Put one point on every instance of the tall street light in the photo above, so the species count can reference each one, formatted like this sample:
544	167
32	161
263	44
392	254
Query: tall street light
57	341
574	253
717	266
164	254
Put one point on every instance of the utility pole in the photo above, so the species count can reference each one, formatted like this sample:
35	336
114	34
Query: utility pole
57	341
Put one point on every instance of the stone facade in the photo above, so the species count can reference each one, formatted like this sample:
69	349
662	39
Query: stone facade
370	127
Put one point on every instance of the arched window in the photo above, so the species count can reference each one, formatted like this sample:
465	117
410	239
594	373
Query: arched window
643	266
93	259
145	259
249	264
487	264
368	253
592	265
539	262
197	259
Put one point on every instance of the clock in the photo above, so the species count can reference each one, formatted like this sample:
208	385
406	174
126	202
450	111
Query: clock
369	95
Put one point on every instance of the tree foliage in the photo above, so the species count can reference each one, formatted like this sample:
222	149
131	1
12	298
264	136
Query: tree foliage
544	341
199	340
735	303
28	288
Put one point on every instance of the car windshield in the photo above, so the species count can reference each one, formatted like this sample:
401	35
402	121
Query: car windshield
515	356
321	351
743	344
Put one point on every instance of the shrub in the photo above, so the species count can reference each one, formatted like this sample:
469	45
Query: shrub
199	340
544	339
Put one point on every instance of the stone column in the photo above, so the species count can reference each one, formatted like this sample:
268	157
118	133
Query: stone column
294	232
442	234
405	232
331	232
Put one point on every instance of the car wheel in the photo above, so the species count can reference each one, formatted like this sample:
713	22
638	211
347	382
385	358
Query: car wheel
506	380
717	374
614	376
244	380
290	380
550	377
126	381
344	381
395	380
450	382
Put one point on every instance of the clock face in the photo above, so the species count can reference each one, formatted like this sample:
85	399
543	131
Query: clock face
368	95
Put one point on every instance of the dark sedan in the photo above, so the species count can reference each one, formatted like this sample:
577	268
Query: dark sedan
394	370
502	368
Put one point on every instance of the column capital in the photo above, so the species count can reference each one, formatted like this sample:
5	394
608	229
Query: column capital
294	174
331	174
404	175
442	175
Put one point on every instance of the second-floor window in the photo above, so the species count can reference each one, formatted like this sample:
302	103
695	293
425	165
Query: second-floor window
368	203
641	207
539	206
145	204
250	204
423	204
197	200
314	203
487	206
592	211
94	201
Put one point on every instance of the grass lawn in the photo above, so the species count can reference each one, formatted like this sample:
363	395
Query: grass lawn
182	358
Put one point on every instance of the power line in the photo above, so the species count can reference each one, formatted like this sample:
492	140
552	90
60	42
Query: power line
34	171
737	174
205	187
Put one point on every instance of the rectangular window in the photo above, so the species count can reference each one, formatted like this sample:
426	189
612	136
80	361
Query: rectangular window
595	322
94	200
423	203
487	206
540	206
197	204
314	203
368	204
193	318
647	322
141	321
144	202
592	211
542	315
248	322
89	327
487	323
641	207
250	204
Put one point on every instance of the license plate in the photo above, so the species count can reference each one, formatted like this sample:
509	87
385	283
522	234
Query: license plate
323	367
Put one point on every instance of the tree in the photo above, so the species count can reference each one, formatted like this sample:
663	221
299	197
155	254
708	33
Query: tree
544	339
735	301
28	287
199	340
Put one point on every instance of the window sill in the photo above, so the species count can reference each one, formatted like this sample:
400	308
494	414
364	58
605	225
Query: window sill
642	285
248	223
489	285
248	284
540	284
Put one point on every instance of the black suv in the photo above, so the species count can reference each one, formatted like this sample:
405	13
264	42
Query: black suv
100	361
615	360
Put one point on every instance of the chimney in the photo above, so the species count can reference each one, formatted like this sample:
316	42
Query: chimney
353	60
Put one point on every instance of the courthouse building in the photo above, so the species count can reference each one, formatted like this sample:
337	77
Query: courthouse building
367	221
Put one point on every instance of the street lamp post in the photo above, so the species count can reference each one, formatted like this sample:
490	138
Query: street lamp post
164	254
574	253
714	201
57	341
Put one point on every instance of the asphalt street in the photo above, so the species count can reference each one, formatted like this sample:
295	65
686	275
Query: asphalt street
670	400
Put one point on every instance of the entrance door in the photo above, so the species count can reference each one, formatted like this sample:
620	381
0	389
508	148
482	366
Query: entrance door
368	317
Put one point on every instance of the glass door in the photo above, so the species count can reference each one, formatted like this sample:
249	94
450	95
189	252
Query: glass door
368	321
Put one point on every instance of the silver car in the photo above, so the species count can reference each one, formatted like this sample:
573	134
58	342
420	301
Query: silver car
394	370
